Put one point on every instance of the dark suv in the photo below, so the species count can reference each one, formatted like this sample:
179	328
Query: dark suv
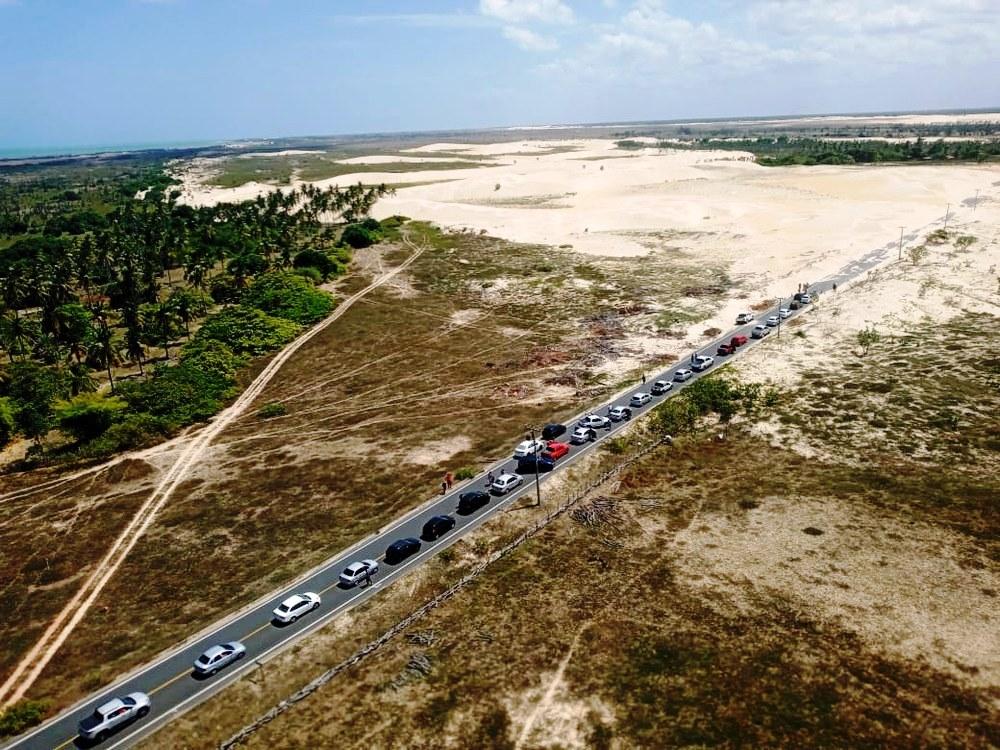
552	431
470	502
437	527
402	549
526	464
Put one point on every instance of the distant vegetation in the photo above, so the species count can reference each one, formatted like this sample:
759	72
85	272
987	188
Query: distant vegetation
98	283
784	151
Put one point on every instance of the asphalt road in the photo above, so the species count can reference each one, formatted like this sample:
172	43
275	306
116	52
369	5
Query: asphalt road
169	680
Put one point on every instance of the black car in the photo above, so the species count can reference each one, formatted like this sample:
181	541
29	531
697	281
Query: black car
402	549
469	502
552	431
437	527
526	464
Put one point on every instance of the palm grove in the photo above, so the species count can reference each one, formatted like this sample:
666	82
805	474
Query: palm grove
124	318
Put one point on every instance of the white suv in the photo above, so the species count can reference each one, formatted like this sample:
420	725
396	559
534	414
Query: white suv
594	422
528	447
702	363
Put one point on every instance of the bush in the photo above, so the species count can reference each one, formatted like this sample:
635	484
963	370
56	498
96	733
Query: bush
287	295
224	289
135	431
213	358
310	274
372	225
22	715
247	330
7	425
327	266
465	473
271	410
89	415
357	236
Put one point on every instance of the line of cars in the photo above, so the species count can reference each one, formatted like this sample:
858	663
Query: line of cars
532	455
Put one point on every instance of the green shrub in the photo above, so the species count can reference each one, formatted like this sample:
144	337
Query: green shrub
287	295
465	473
311	274
326	265
247	330
89	415
8	427
22	715
273	409
224	289
372	225
357	236
135	431
212	357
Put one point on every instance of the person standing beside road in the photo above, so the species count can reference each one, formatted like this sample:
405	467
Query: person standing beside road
444	488
489	480
448	479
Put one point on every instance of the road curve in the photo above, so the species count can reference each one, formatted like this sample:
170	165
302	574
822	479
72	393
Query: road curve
169	679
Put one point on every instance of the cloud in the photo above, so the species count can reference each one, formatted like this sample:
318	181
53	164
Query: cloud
529	40
522	11
423	20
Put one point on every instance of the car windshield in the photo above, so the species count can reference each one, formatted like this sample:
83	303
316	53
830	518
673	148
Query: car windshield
97	715
284	607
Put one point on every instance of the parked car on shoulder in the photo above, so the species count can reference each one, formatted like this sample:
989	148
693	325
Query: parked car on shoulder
401	549
772	321
506	482
743	318
806	298
738	340
552	431
556	450
784	312
437	527
358	571
594	422
639	399
702	362
760	331
725	349
583	435
470	502
682	375
295	606
529	447
114	713
660	387
218	657
619	413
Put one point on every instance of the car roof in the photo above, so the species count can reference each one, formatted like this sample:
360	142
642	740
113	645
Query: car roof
293	599
111	705
215	651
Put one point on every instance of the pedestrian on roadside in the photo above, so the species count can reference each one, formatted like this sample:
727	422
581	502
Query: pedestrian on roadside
444	488
835	286
368	577
644	378
489	480
448	479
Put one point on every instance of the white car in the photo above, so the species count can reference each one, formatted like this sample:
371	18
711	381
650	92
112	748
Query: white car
640	399
218	657
773	320
660	387
358	571
681	375
744	317
114	713
529	447
619	413
805	299
295	606
760	331
506	482
582	435
702	362
784	313
594	422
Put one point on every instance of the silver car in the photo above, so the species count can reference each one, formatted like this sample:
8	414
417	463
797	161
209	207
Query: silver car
218	657
760	331
773	320
594	422
784	313
582	435
640	399
702	362
295	606
660	387
358	571
681	375
506	482
117	711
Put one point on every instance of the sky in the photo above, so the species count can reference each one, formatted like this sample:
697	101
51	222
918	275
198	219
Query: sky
110	72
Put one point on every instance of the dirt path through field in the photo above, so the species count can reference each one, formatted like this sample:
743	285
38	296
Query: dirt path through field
31	666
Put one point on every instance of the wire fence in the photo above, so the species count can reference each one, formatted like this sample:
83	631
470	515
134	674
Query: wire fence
313	685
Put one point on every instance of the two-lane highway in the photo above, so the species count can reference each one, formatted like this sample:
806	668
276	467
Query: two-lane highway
169	679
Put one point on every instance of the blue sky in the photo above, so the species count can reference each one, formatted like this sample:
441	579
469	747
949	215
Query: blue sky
80	72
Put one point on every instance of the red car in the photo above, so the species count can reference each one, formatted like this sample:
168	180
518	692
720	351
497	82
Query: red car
556	450
736	341
725	349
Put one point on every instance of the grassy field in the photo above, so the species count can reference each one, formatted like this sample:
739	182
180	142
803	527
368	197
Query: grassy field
733	593
439	370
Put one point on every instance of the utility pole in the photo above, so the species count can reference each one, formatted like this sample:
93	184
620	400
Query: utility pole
975	201
947	214
779	317
900	244
538	487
